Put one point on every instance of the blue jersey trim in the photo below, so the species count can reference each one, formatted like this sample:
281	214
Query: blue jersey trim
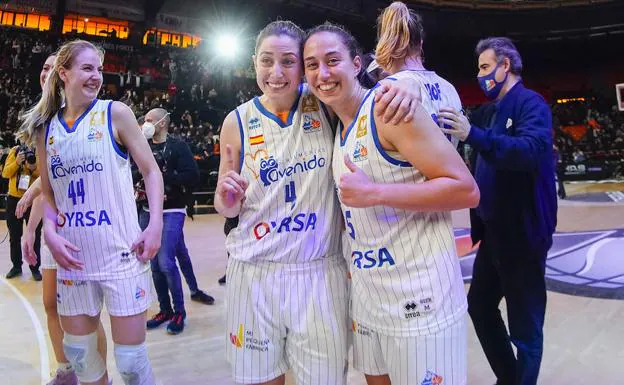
110	131
357	113
273	117
77	122
381	150
242	138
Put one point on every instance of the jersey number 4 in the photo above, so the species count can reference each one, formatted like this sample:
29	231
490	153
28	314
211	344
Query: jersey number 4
290	194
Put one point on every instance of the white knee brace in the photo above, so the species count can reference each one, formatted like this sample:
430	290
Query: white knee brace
82	354
133	364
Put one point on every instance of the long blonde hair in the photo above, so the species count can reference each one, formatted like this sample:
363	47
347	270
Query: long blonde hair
51	100
399	32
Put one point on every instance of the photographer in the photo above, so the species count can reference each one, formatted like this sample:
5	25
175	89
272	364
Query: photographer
179	173
20	169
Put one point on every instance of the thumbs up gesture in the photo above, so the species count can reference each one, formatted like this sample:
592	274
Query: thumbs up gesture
231	186
356	188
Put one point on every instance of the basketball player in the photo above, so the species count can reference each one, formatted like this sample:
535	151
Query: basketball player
397	185
399	53
287	280
65	372
90	221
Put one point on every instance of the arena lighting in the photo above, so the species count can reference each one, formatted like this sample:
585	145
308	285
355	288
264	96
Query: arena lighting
569	100
227	45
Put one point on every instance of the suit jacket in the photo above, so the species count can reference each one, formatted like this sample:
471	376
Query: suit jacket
512	139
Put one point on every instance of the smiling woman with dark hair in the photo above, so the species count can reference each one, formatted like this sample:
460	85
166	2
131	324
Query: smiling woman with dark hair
397	186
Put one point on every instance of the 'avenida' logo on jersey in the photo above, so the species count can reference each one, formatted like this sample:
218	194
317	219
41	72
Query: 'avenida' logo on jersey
59	170
271	173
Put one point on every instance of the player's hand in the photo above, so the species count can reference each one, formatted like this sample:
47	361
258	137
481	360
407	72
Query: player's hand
61	250
24	203
231	186
397	100
458	123
28	250
146	246
355	187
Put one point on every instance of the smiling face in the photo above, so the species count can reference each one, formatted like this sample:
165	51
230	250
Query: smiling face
47	66
278	67
83	78
330	69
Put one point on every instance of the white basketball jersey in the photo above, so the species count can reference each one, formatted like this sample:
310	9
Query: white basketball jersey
290	213
406	279
436	93
92	185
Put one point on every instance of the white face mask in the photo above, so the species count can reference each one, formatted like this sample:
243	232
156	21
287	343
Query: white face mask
149	129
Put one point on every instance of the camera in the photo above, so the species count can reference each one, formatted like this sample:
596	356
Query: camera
29	154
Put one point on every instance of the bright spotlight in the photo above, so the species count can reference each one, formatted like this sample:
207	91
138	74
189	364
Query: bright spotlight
227	46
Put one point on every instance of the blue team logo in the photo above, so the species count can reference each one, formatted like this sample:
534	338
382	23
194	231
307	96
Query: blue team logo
432	378
94	135
579	263
360	153
55	163
310	124
267	166
139	293
271	173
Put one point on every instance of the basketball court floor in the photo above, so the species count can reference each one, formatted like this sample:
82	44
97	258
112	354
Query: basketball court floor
584	332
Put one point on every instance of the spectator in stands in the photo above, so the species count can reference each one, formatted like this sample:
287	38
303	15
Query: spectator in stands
578	156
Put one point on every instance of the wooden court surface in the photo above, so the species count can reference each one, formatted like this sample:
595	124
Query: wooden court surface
583	336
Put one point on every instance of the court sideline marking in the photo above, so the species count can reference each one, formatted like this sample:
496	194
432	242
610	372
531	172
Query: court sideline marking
43	346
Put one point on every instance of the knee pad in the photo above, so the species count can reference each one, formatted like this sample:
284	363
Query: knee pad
82	354
133	364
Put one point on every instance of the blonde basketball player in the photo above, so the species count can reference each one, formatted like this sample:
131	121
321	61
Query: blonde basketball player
397	185
287	280
400	53
90	220
64	373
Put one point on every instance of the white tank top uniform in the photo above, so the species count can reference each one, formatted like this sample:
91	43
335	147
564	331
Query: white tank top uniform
436	93
291	212
408	302
92	184
287	279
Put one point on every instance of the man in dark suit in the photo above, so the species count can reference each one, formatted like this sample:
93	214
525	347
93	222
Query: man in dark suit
517	215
